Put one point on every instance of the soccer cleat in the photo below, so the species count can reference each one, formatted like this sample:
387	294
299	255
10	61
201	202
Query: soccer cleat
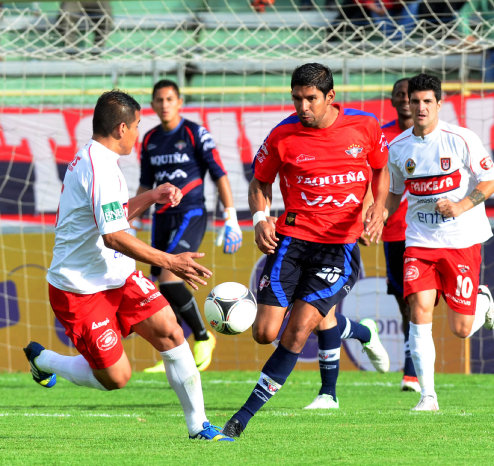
212	433
410	384
324	401
203	352
489	315
375	350
45	379
158	367
233	428
427	403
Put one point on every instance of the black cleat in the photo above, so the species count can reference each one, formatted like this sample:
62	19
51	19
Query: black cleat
233	428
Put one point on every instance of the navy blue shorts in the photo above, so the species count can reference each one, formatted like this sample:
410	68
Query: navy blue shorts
176	233
320	274
393	252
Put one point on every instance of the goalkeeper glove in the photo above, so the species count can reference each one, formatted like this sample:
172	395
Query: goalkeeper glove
230	234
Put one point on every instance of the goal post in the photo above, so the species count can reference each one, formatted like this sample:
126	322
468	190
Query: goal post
233	64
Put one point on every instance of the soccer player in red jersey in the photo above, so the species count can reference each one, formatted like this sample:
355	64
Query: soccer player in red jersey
447	174
393	235
322	155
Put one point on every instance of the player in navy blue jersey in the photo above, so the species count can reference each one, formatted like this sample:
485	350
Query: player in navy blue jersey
181	152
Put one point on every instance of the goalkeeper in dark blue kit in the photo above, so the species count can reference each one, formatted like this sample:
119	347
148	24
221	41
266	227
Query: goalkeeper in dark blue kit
181	152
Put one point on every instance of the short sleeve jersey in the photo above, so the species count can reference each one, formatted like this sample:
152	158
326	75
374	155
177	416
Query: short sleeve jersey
181	157
324	174
396	224
447	163
94	202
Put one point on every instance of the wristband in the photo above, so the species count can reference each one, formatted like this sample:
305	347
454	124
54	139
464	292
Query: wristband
259	216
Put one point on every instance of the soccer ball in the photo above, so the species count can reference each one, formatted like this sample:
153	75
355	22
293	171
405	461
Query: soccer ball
230	308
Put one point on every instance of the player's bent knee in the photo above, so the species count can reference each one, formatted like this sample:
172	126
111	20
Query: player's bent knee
263	336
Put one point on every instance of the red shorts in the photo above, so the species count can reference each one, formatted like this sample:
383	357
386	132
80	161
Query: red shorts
96	322
453	272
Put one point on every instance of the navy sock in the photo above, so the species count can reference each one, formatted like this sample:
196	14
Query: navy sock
409	368
329	360
274	374
351	329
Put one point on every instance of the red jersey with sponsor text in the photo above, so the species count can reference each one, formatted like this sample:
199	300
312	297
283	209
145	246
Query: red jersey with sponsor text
447	163
324	174
396	224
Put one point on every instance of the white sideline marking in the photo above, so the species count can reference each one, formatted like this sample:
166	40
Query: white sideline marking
68	415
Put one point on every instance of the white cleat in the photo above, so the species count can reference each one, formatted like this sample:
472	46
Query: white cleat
375	350
427	403
324	401
410	384
489	315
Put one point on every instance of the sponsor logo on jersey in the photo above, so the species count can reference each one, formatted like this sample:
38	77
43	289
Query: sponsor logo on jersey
463	268
184	244
264	282
342	178
431	185
304	158
458	300
72	164
410	259
329	199
151	146
486	163
180	145
433	217
163	159
330	274
410	166
113	211
100	324
290	219
354	150
150	298
347	288
445	163
178	173
411	273
262	153
107	340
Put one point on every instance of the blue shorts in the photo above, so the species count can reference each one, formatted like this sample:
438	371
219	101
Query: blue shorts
393	252
176	233
320	274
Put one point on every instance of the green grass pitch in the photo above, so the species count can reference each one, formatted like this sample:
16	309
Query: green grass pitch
143	423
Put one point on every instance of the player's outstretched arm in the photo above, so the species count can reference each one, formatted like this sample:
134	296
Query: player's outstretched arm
182	265
230	234
165	193
480	193
260	196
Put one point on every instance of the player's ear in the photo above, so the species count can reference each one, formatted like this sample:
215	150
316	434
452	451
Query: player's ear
330	96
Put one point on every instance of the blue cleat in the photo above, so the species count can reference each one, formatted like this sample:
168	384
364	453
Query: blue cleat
45	379
212	433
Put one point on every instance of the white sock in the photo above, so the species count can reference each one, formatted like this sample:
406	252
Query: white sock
184	378
481	309
73	368
423	353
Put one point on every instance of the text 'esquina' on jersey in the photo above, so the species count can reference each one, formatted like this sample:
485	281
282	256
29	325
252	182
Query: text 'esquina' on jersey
395	227
324	174
447	163
182	157
94	194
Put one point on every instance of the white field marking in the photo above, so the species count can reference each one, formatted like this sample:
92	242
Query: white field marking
68	415
204	382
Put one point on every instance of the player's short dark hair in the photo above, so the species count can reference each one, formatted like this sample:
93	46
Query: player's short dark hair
313	74
112	108
166	83
425	82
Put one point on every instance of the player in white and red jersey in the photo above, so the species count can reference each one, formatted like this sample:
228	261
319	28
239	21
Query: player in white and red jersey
322	154
448	175
94	289
393	235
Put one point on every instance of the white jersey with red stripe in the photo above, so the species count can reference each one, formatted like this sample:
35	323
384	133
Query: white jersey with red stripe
94	202
447	163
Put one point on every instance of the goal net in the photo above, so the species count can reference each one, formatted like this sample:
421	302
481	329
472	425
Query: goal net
233	61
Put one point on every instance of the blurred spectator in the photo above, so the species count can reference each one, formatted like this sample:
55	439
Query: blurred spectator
76	18
440	12
478	16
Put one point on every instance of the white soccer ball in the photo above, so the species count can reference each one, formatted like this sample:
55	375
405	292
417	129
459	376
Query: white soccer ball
230	308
